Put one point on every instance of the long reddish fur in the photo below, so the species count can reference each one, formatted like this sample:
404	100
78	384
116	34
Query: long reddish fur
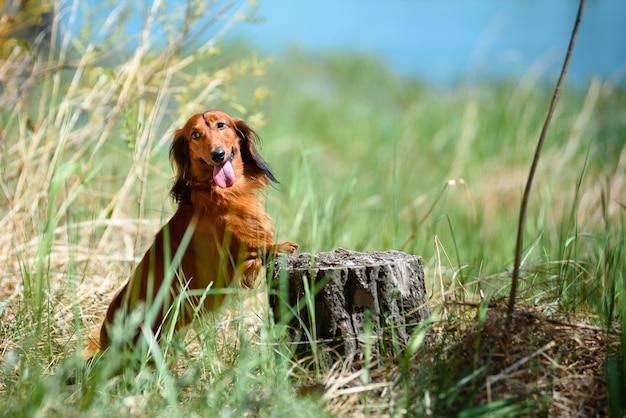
232	235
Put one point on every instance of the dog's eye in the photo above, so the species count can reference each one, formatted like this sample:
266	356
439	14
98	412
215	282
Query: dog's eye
195	135
221	125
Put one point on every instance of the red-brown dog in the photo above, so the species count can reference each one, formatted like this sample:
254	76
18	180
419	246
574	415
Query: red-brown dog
220	232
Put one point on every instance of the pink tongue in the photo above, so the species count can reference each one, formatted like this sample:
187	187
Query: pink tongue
224	175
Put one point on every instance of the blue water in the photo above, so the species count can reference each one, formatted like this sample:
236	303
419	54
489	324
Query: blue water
444	41
439	41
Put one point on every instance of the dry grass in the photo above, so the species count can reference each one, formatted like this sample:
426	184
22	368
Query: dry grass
558	365
537	366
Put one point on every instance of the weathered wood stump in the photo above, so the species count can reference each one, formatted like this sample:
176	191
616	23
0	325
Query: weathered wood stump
350	301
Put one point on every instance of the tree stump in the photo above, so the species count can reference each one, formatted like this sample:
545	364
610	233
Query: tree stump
351	302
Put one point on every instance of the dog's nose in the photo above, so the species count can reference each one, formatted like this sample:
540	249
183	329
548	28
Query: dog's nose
218	155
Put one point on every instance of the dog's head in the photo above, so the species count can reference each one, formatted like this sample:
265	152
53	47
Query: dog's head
216	150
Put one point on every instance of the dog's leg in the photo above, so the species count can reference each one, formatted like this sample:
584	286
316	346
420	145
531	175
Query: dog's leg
115	305
283	248
250	268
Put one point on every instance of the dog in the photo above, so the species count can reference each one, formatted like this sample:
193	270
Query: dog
219	234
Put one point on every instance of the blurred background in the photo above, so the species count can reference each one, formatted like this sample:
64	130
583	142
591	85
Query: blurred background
440	42
444	42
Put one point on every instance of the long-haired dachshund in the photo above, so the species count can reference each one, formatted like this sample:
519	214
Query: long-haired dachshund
220	232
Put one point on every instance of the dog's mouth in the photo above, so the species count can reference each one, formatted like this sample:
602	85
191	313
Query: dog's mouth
223	172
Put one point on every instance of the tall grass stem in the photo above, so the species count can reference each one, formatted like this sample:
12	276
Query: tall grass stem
531	175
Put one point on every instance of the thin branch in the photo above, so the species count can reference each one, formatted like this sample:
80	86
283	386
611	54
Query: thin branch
533	167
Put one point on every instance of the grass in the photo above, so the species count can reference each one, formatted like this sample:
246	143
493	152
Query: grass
367	161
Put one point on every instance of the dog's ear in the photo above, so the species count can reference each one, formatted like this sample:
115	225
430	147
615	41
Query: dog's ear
179	156
254	166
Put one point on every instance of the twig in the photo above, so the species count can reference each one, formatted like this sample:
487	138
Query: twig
519	363
495	378
533	167
543	318
578	325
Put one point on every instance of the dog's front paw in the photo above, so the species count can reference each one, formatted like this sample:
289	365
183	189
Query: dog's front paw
288	247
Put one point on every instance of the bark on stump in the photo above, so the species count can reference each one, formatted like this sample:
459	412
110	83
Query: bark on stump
361	301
